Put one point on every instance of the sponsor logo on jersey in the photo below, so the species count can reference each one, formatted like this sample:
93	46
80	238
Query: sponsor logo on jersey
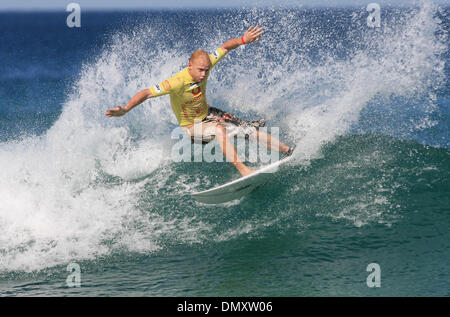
158	89
196	91
216	54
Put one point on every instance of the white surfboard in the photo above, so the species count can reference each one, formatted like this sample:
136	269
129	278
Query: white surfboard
239	187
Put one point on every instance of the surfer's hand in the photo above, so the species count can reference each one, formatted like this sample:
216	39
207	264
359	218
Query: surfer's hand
253	34
116	112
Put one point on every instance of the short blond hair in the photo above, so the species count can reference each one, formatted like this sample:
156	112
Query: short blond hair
198	54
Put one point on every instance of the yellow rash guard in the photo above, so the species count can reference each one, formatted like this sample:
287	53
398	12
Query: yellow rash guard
187	98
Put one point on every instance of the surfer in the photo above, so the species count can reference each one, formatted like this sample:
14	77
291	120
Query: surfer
199	121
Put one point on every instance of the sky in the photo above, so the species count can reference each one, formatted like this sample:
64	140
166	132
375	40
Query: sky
174	4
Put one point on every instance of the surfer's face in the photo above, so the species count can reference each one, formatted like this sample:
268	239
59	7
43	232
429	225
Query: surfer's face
199	68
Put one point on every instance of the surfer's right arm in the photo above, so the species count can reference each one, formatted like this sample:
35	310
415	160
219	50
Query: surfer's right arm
169	86
139	98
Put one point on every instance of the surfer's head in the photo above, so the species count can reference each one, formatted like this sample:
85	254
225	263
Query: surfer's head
199	65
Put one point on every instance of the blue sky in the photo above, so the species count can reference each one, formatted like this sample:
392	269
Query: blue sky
133	4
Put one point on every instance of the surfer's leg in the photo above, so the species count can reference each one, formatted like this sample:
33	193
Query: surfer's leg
201	131
229	151
244	128
270	142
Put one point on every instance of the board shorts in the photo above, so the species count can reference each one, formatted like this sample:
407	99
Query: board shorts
234	126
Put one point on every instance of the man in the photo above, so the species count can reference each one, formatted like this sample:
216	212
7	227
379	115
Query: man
187	91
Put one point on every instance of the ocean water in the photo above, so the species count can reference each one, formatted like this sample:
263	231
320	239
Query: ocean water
368	109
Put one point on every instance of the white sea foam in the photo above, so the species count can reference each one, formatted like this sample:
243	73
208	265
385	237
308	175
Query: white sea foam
74	193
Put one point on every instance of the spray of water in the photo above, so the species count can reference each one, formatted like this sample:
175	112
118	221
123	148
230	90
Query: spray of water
75	192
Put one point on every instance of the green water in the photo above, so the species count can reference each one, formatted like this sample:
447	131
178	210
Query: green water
312	231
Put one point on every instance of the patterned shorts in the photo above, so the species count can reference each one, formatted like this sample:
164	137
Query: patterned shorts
205	131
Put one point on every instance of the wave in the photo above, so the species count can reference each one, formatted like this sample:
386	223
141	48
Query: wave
92	186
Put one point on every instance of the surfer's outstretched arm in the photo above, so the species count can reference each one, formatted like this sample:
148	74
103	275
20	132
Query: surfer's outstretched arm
139	98
251	35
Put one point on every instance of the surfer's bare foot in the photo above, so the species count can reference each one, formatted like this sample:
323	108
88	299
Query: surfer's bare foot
289	152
